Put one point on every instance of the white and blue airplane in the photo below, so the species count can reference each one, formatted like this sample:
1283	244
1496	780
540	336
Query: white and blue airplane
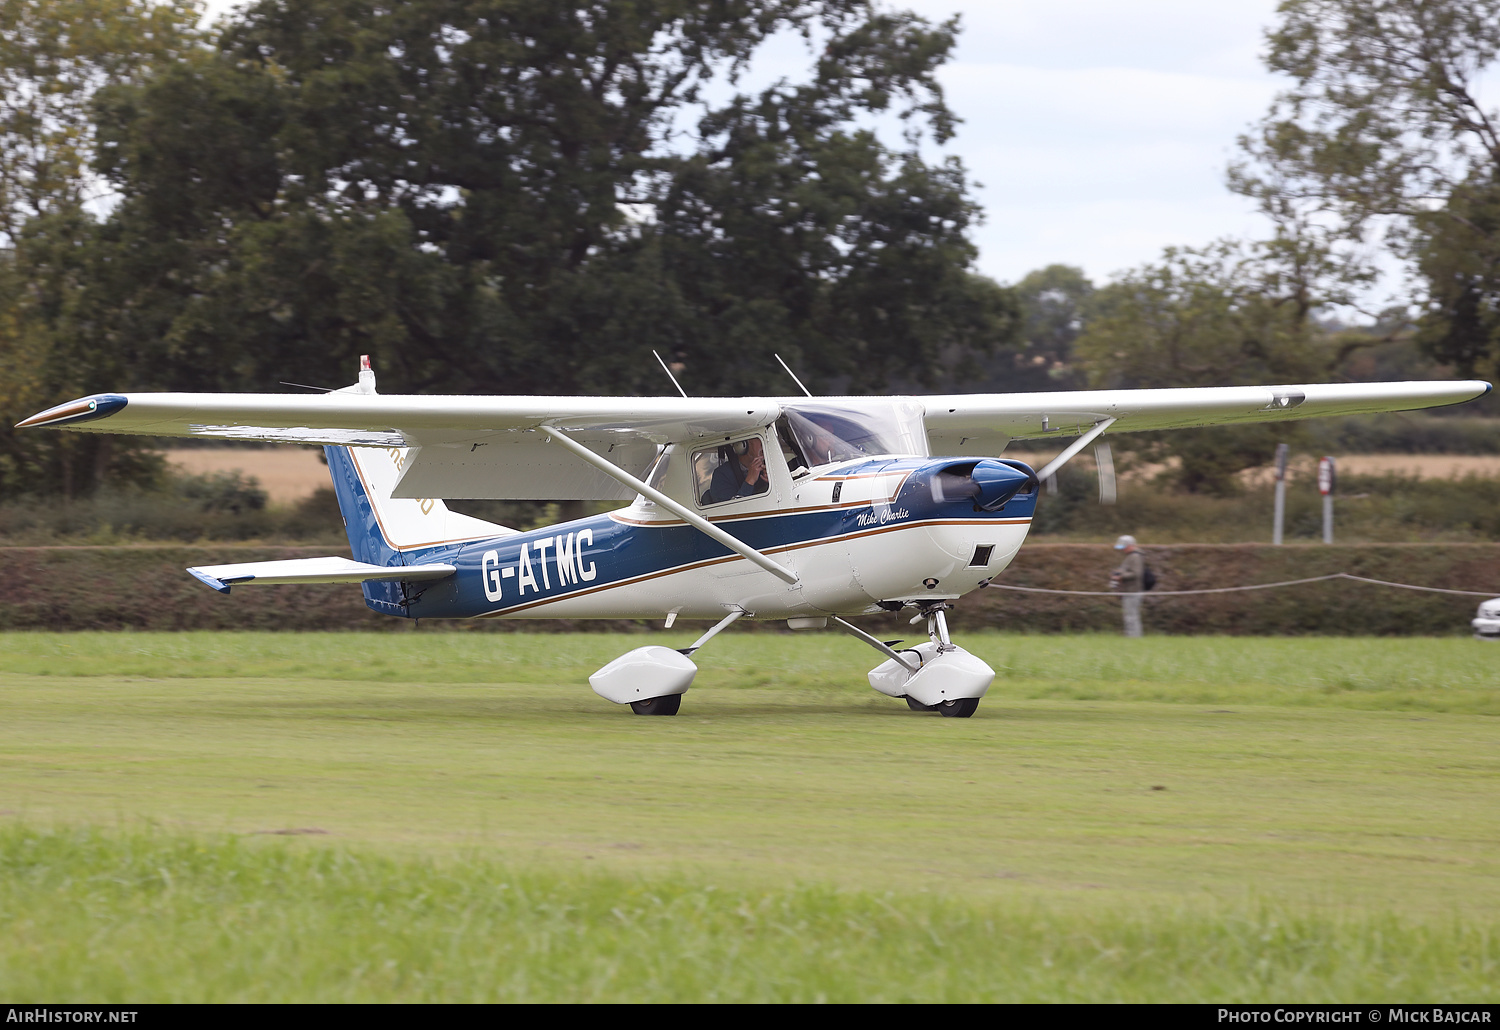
808	510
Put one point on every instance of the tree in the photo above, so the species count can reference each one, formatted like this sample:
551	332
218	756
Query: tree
1457	251
488	196
1224	315
1383	130
1056	302
55	57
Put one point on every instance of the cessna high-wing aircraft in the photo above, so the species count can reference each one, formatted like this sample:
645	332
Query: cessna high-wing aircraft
802	509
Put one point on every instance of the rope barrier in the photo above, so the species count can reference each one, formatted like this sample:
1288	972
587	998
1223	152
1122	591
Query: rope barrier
1254	586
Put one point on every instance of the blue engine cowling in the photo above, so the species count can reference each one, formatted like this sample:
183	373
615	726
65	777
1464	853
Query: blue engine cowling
988	484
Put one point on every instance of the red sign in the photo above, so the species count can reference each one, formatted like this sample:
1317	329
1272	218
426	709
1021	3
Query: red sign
1325	476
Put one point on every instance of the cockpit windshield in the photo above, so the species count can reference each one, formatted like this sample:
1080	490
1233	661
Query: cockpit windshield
812	436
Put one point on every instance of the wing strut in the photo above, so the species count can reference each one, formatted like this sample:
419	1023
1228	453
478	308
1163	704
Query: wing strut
693	519
1073	448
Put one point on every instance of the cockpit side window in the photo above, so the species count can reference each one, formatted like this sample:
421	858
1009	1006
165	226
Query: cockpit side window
729	471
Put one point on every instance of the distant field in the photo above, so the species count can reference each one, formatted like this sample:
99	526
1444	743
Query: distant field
333	816
287	474
1423	466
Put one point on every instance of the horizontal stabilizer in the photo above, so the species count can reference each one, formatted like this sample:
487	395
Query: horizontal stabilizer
313	570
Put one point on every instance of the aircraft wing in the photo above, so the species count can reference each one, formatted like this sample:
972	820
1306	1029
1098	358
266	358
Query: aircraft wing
393	420
981	424
402	421
476	446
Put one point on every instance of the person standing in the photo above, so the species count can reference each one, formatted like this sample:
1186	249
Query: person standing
1129	579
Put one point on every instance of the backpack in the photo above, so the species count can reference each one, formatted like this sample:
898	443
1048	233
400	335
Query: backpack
1148	578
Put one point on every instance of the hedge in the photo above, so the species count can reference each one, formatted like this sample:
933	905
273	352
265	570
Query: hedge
144	587
1339	607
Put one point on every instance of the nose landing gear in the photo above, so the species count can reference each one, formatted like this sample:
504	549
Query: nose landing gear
935	676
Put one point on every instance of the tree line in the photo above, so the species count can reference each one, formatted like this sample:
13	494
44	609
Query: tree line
521	196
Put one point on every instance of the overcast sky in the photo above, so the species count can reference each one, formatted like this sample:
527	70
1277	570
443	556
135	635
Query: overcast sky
1099	129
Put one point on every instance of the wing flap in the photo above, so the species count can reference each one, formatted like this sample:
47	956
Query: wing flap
313	570
522	466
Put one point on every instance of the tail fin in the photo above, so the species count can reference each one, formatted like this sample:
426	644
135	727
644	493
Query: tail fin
385	530
382	528
388	531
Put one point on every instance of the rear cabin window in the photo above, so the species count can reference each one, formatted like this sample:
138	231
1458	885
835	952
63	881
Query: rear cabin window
730	471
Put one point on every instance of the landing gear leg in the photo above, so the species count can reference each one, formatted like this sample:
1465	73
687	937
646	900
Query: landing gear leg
937	631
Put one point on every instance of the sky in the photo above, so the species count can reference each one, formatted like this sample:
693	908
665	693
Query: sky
1100	130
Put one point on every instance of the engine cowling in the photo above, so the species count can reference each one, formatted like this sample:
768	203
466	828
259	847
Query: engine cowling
989	483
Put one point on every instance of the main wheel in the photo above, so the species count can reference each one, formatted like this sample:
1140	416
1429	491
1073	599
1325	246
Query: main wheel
667	704
959	708
918	706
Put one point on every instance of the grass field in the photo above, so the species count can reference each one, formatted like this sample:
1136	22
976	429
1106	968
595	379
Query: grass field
413	816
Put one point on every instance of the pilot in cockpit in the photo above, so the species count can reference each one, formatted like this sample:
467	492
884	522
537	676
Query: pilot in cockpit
741	474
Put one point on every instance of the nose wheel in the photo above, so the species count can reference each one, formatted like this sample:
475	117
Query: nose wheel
958	708
665	705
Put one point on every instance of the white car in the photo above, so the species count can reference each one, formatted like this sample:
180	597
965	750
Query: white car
1487	623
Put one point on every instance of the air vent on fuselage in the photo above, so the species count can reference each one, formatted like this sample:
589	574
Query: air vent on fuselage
981	557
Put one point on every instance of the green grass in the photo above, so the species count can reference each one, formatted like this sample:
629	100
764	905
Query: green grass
1203	819
1456	675
118	918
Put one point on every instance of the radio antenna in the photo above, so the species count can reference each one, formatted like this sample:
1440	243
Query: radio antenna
789	372
668	371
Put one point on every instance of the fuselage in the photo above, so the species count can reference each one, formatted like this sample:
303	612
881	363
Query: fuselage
874	530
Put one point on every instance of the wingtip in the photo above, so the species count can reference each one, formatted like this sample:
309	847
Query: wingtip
84	409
